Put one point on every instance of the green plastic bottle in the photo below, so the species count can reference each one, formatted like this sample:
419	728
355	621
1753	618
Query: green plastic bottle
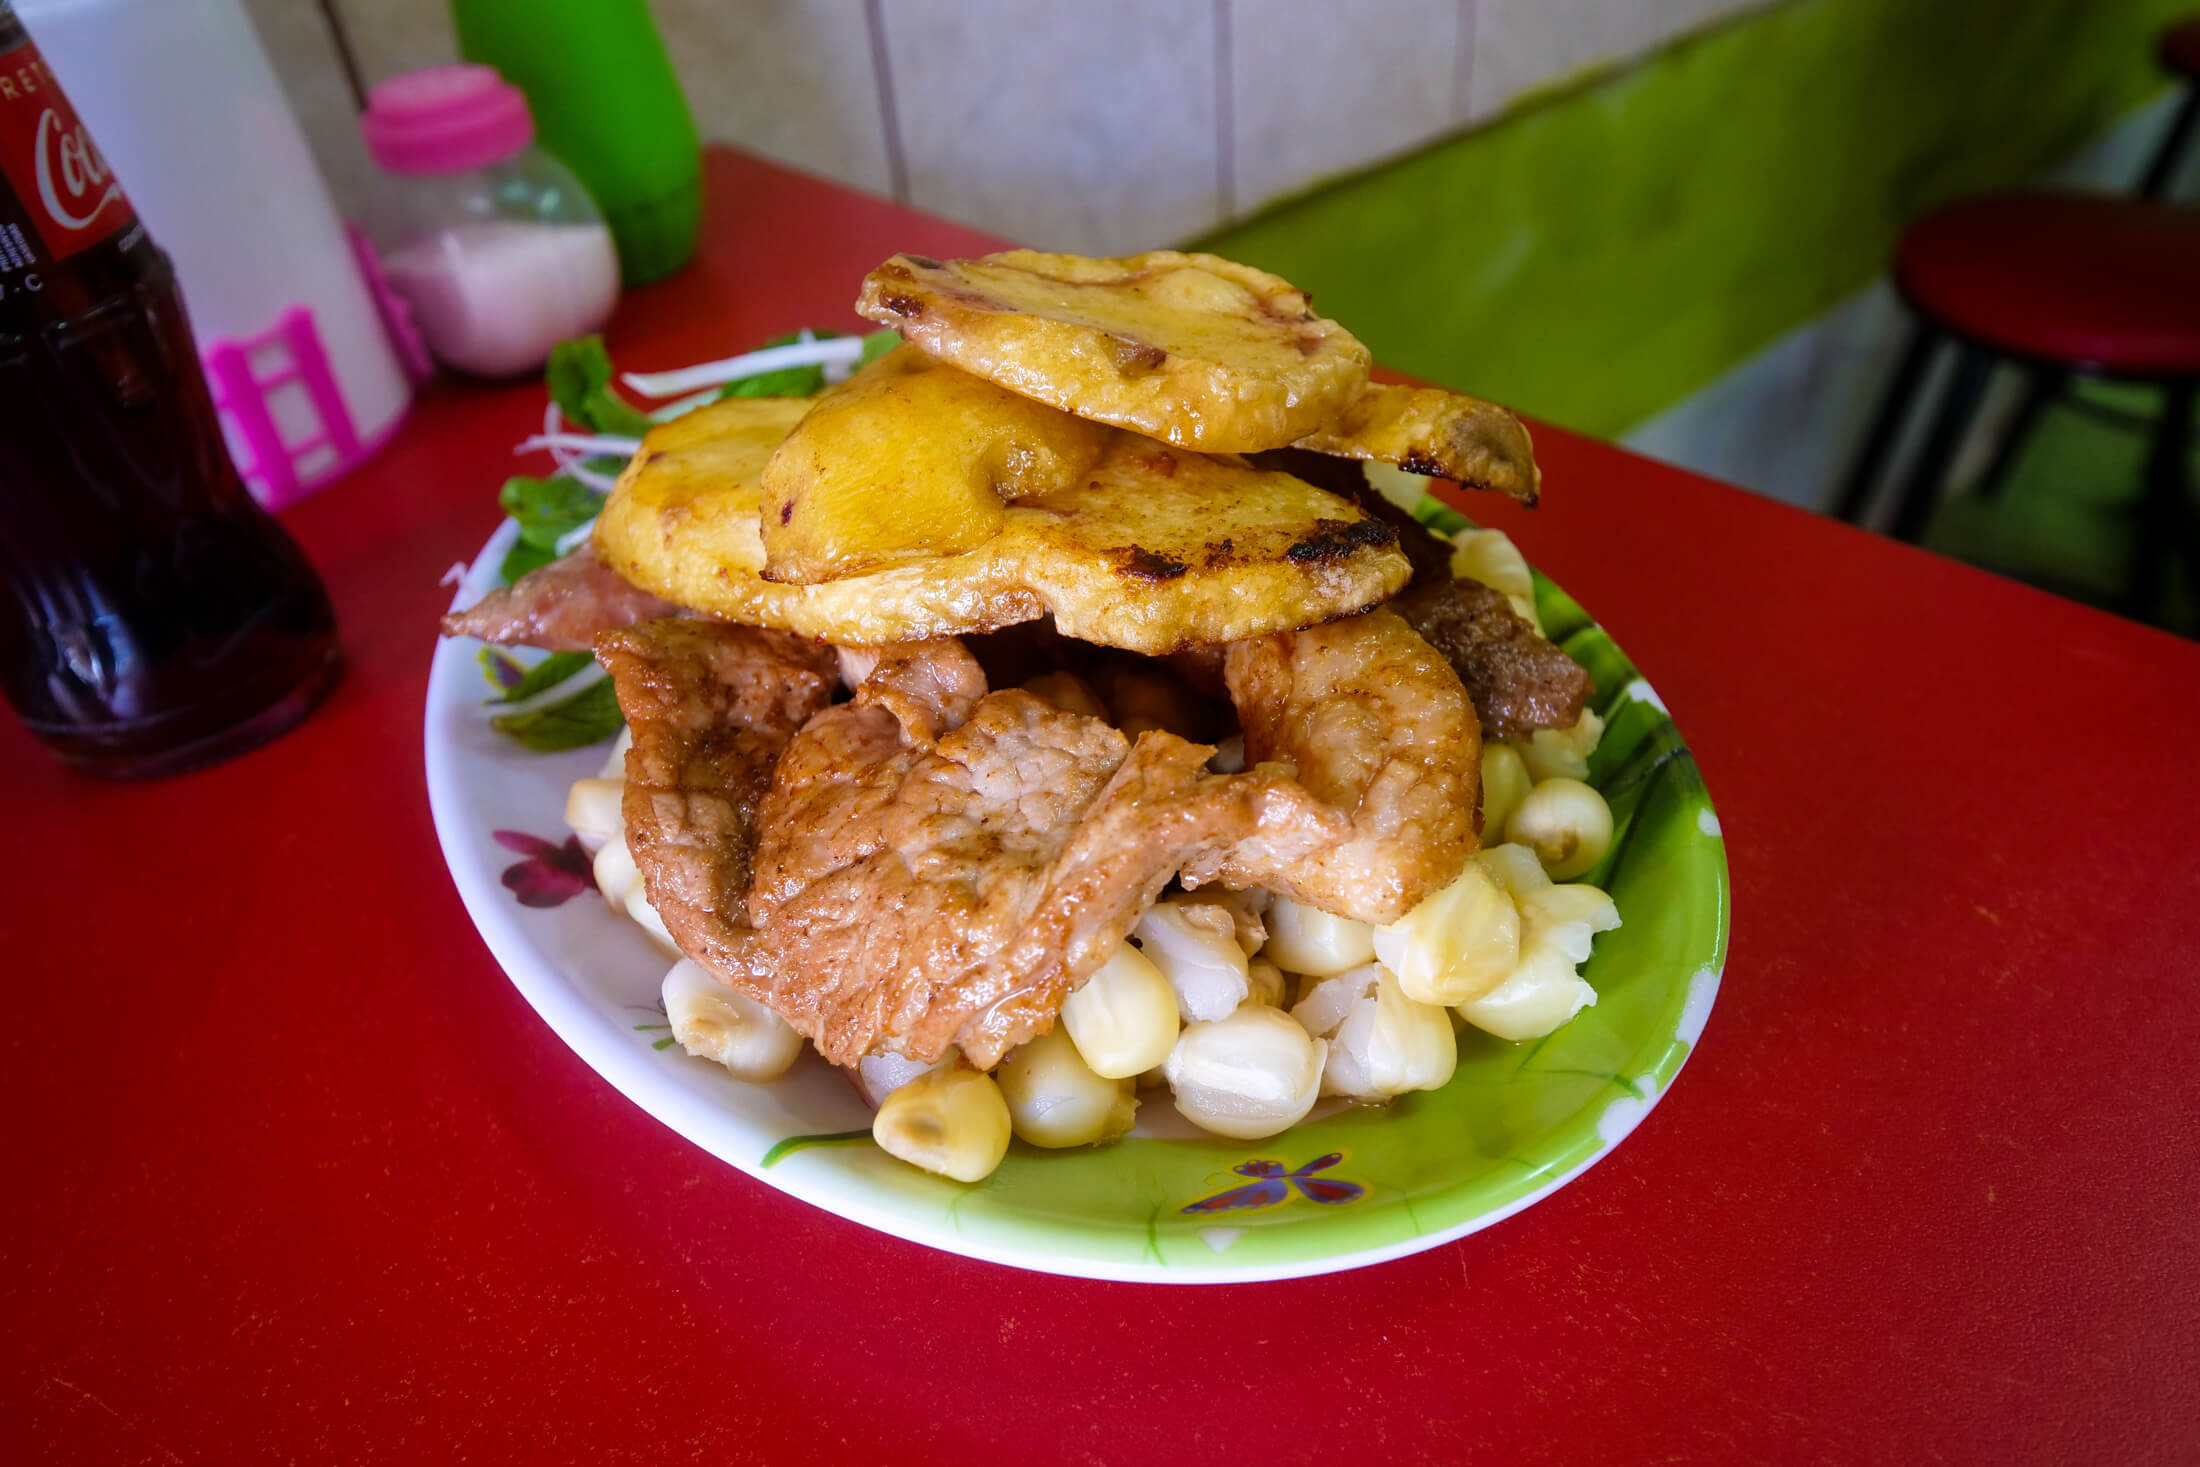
608	105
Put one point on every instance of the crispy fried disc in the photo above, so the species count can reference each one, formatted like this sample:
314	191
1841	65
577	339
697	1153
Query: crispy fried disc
1427	430
1192	349
907	460
1155	549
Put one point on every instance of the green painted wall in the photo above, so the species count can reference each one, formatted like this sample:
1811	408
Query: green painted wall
1608	248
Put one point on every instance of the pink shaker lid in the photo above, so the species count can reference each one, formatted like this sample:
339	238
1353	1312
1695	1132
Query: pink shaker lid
445	119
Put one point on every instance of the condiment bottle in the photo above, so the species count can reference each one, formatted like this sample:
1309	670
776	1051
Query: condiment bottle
153	618
492	243
608	104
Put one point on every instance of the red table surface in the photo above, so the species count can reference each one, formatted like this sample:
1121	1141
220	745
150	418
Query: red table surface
294	1174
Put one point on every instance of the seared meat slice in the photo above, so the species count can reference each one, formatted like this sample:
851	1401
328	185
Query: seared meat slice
559	607
1520	680
712	708
1375	727
940	868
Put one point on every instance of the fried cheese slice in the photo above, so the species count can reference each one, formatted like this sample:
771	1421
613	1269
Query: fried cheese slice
907	460
1198	351
1428	430
1152	550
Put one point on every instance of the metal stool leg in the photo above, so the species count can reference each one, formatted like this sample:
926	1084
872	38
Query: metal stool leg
2173	146
1957	409
2045	385
1886	425
2167	519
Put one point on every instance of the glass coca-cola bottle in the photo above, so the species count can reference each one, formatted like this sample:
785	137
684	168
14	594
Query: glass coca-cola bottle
155	618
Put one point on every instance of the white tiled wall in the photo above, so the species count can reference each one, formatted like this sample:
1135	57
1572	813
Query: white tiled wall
1101	127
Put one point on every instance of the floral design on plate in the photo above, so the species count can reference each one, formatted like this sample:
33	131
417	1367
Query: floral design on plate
1273	1185
550	876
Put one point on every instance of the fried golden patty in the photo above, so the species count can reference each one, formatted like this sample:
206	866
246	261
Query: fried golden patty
1191	349
1152	550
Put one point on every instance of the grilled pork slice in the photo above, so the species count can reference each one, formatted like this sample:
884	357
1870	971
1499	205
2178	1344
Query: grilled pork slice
936	864
1191	349
712	707
1372	723
931	863
559	607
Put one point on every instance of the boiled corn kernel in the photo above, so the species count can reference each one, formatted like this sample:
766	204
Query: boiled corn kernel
1563	753
1404	489
1566	823
1489	556
1557	926
592	812
953	1122
1196	949
1123	1019
1381	1042
1264	981
880	1075
1304	939
1249	1075
615	872
1505	783
1457	944
1515	868
1054	1099
715	1022
614	764
639	907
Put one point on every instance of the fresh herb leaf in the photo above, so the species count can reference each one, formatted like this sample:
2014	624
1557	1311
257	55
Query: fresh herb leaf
548	673
502	669
588	717
786	381
579	379
522	558
876	345
547	510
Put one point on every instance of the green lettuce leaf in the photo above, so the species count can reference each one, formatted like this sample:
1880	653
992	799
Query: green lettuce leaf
588	717
579	379
786	381
546	509
548	673
878	344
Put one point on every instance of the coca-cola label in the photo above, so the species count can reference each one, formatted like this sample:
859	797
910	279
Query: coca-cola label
57	174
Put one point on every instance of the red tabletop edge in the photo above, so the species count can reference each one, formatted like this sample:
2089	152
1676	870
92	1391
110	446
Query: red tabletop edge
300	1178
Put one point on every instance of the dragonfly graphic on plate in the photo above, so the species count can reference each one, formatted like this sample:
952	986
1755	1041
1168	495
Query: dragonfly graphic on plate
1273	1183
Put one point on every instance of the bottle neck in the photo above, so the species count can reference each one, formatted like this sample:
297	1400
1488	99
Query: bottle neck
68	236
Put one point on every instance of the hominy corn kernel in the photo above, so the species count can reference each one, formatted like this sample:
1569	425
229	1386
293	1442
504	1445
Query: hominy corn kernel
1304	939
1123	1019
951	1121
1055	1100
1196	949
1566	823
1457	944
1249	1075
715	1022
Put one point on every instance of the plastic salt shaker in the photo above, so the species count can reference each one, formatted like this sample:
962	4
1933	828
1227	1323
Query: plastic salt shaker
492	243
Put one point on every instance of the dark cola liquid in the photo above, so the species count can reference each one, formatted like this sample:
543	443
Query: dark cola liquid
155	617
